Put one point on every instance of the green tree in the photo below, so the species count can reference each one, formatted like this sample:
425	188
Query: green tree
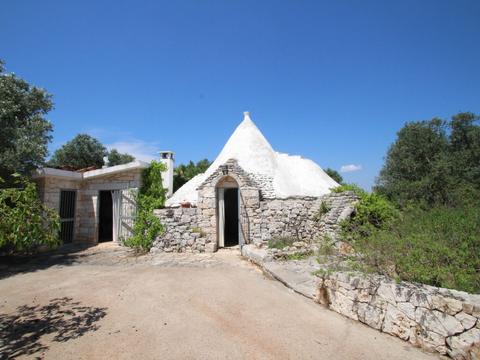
81	152
335	175
116	158
464	149
434	162
24	131
416	167
26	222
183	173
151	196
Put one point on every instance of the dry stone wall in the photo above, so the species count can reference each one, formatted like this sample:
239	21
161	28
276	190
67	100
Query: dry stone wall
182	233
300	218
436	319
194	229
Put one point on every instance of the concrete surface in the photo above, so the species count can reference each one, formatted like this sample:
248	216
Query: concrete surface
101	303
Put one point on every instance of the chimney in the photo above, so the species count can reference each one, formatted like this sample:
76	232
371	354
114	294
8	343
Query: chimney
167	158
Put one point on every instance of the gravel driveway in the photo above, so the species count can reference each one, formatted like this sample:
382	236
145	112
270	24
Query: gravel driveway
102	303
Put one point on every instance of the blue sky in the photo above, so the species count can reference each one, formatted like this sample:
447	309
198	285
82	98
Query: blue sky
331	81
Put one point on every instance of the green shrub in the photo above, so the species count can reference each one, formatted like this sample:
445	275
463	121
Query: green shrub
322	210
199	231
281	242
325	247
146	228
25	222
439	247
151	196
372	211
348	187
299	255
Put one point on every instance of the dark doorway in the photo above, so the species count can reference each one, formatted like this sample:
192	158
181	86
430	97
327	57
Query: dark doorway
231	217
67	215
105	225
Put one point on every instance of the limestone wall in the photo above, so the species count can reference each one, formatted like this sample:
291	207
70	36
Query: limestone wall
441	320
260	220
182	233
300	218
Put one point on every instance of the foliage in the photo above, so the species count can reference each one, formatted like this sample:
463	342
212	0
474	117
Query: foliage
116	158
199	231
299	255
348	187
152	187
281	242
151	196
81	152
326	246
433	162
24	131
25	222
146	228
439	247
183	173
335	175
322	210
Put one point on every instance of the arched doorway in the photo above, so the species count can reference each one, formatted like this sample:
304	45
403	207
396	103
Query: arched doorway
228	212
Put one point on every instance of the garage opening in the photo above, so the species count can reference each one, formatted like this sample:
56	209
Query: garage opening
105	219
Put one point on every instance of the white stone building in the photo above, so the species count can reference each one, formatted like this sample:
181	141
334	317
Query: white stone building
250	194
94	206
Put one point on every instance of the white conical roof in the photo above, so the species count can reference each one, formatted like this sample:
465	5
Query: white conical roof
289	175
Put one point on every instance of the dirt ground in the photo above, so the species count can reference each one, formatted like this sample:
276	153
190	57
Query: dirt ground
102	303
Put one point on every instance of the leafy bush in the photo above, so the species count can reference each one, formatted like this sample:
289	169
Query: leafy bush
322	210
151	196
281	242
372	211
25	222
348	187
147	227
440	247
199	231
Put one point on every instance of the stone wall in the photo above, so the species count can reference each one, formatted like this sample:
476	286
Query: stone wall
182	233
261	220
436	319
300	217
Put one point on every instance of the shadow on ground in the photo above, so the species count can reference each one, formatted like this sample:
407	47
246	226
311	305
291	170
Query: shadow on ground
62	318
65	255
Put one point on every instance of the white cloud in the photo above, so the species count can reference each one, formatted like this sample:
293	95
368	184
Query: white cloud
350	168
142	150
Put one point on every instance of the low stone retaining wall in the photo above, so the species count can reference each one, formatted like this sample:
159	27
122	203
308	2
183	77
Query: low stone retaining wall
436	319
182	233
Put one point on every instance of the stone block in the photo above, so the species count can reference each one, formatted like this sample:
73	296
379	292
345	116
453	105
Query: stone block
370	315
397	323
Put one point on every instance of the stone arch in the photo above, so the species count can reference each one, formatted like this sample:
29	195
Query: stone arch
249	201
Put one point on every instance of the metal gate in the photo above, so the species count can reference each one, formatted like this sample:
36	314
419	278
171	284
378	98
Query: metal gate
67	215
124	212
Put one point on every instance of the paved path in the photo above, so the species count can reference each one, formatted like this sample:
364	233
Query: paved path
101	303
